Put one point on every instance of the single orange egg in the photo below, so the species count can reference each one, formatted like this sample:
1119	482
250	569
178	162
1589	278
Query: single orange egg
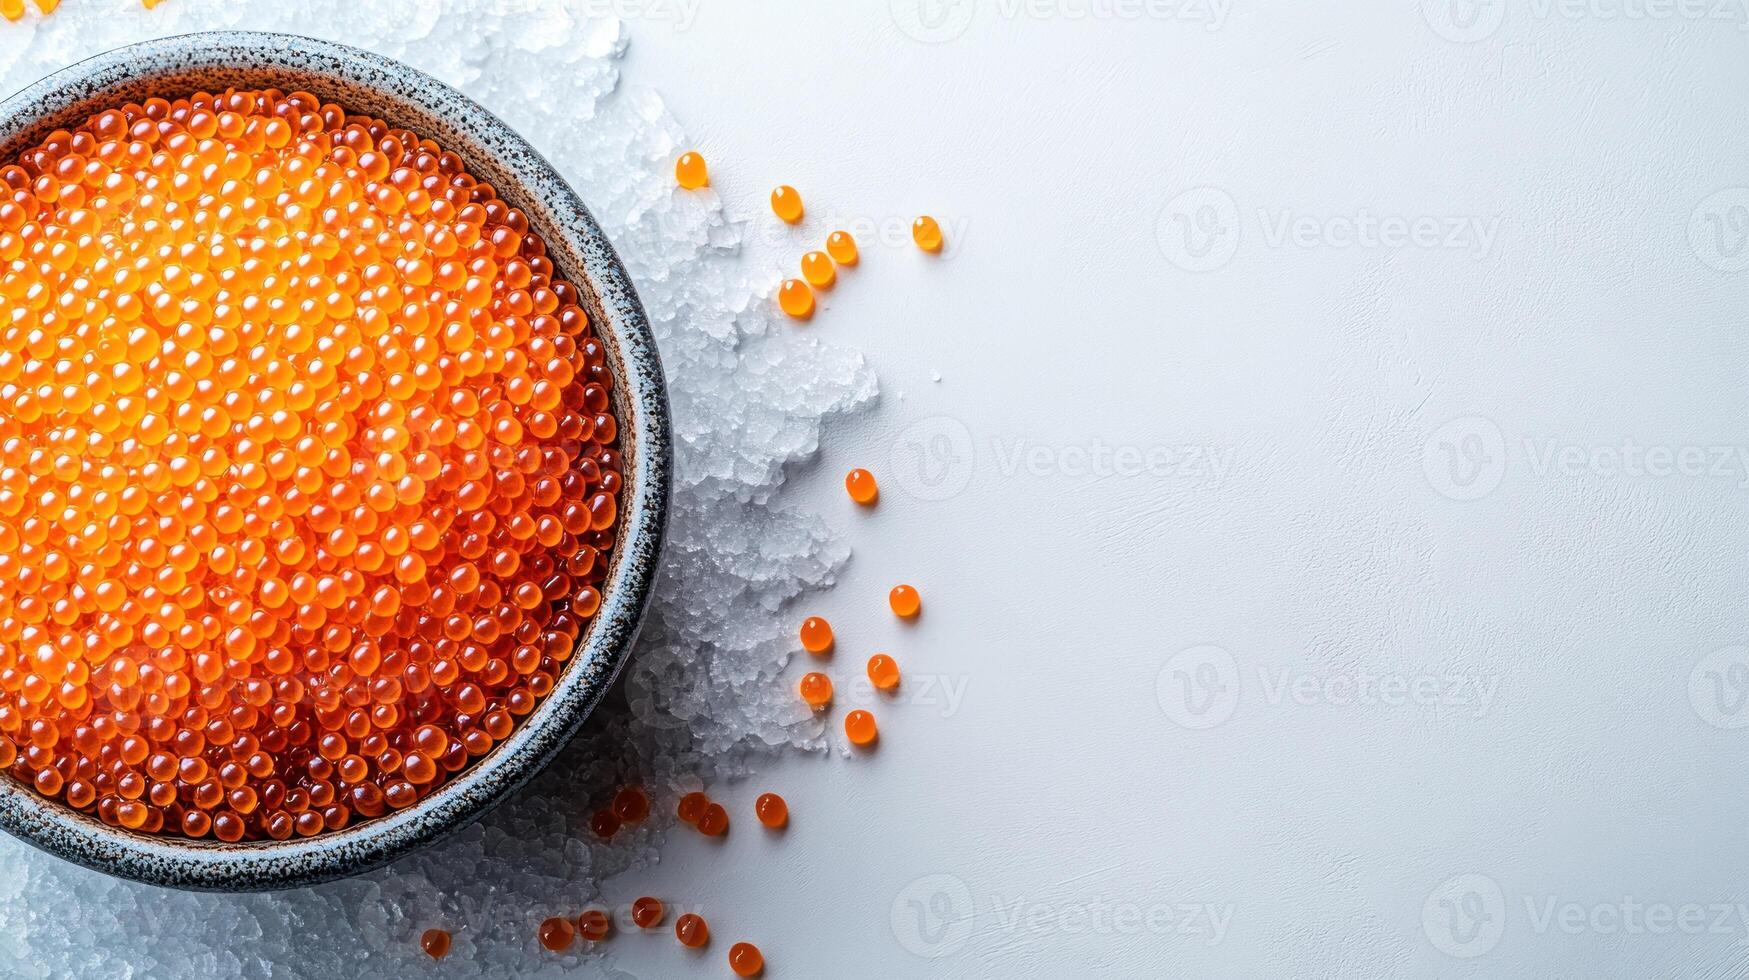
647	912
796	298
594	925
692	931
861	486
746	960
771	810
690	171
926	232
816	689
714	822
816	634
556	934
905	601
859	727
817	269
842	247
691	807
883	672
435	942
786	203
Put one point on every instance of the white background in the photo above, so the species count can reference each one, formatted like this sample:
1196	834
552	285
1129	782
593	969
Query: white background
1586	816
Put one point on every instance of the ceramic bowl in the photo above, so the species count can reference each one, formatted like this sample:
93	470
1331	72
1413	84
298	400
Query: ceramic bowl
369	83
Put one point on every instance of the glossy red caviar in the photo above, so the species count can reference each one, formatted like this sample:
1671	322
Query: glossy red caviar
307	467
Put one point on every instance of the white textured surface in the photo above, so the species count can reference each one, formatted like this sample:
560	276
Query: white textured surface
1585	796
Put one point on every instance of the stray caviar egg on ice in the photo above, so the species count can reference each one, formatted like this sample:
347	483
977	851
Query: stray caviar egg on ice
904	601
771	810
309	476
690	171
647	912
594	925
816	689
859	727
556	934
883	672
435	942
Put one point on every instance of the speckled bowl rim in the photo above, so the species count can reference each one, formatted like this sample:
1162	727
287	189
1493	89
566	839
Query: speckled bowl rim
370	83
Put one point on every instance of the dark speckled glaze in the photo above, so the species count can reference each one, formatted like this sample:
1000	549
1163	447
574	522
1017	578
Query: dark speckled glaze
369	83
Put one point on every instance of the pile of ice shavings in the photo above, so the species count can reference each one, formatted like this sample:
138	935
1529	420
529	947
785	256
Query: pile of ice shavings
701	698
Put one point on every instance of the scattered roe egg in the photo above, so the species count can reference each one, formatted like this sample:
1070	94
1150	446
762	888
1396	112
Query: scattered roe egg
647	912
926	233
796	298
631	805
692	931
905	601
690	171
714	821
47	6
691	807
436	943
817	269
771	810
556	934
859	727
816	689
861	486
594	925
883	672
786	203
842	247
605	823
746	960
816	634
308	478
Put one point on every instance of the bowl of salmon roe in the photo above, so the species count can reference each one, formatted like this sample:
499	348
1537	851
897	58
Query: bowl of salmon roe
334	460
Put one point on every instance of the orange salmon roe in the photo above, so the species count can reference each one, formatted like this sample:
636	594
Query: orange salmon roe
771	810
816	635
905	601
556	934
746	960
842	247
690	171
883	672
647	912
594	925
692	931
12	9
47	6
605	823
691	807
816	689
786	203
859	727
817	269
796	299
308	475
926	232
435	942
861	486
714	821
631	805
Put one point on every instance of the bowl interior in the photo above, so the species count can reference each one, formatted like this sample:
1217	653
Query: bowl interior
367	83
